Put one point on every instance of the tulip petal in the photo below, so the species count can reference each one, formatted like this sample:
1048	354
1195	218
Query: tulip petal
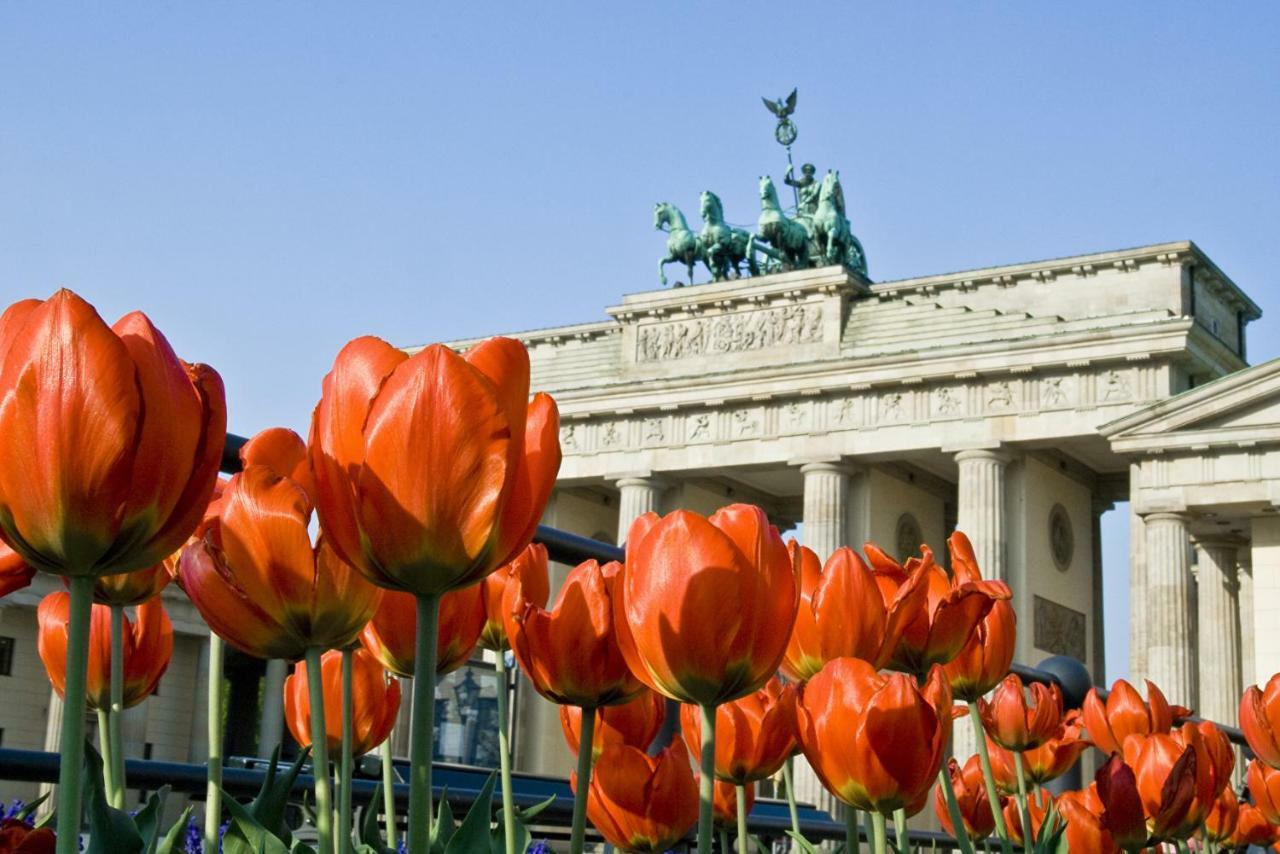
900	729
534	479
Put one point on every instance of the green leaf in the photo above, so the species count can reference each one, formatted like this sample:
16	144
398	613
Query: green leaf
444	827
245	835
174	842
268	806
369	831
498	838
111	831
30	808
473	833
148	818
526	816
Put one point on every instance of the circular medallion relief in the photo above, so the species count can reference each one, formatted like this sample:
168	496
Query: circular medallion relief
1062	540
907	538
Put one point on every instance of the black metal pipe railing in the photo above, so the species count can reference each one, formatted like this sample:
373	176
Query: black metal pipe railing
463	783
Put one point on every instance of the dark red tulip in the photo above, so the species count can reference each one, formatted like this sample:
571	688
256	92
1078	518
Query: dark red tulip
18	837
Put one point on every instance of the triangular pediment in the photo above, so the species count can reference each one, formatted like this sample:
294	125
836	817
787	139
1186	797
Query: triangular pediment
1241	407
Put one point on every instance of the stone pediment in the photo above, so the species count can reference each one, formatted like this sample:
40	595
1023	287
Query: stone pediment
1240	409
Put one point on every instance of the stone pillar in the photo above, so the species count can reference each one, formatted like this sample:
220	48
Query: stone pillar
1137	598
636	496
1218	618
271	728
52	738
981	512
1248	666
1098	634
1265	563
826	507
400	733
1170	633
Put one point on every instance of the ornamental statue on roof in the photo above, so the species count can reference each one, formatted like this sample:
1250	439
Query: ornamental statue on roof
813	232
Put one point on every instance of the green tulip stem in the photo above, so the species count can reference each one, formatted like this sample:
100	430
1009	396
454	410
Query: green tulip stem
320	753
1028	833
953	810
104	746
582	790
422	734
344	784
116	718
504	758
788	777
389	792
724	841
993	794
744	838
213	789
707	779
879	841
71	745
852	834
900	827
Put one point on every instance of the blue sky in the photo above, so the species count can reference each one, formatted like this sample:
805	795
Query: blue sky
270	180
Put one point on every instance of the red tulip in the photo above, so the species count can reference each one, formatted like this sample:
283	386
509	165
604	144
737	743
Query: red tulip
1264	786
1014	726
1125	815
707	603
642	803
432	470
754	734
134	588
14	572
971	797
950	612
1049	761
724	803
1220	823
389	636
1125	714
255	576
1260	720
571	653
527	575
18	837
1253	828
109	444
876	742
842	613
375	702
148	646
636	723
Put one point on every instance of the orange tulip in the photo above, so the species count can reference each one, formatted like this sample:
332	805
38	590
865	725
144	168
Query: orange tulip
390	634
1082	811
1260	720
1264	786
1037	808
432	470
754	734
375	702
971	797
1125	714
875	741
707	603
134	588
109	444
1014	726
1220	823
14	572
1049	761
642	803
148	646
1253	828
724	802
842	613
636	723
986	658
570	653
528	576
255	576
951	610
1176	779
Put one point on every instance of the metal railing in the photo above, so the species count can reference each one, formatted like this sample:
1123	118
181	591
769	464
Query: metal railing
769	819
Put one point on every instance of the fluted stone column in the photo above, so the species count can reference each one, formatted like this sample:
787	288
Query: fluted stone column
52	738
1099	663
271	728
1219	631
981	513
1170	634
1138	606
1248	664
637	496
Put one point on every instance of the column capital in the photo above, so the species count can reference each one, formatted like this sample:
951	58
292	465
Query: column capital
1166	516
642	479
994	455
834	465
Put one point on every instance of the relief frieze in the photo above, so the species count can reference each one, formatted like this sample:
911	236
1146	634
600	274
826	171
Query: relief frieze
730	333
